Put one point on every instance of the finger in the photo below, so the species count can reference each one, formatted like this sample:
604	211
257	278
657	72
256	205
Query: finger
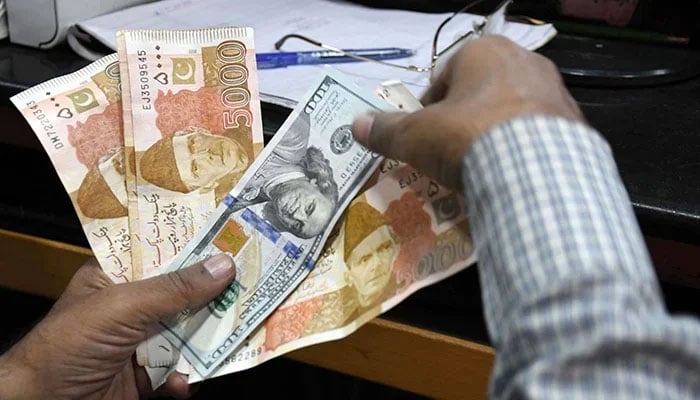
176	386
396	135
440	86
157	298
425	139
436	92
143	382
451	71
378	131
87	280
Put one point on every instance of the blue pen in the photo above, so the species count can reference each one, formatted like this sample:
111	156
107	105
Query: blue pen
286	59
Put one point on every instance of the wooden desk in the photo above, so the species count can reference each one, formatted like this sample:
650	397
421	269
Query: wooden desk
391	353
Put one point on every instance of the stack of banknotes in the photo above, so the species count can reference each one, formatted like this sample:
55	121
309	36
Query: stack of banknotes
160	148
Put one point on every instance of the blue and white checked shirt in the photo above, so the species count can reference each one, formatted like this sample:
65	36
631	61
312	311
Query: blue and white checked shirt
571	300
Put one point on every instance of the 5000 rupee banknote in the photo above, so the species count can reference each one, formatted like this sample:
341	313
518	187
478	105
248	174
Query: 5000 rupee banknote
276	220
77	118
193	118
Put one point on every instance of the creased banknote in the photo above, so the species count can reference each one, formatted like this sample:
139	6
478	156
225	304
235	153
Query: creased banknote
193	117
78	120
276	220
402	234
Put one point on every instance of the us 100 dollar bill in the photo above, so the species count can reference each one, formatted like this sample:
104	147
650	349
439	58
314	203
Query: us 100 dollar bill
192	115
276	220
77	118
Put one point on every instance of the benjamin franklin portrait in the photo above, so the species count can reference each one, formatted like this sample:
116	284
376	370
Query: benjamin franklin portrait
296	184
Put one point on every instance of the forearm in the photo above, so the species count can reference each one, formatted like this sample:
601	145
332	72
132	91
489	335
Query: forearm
567	283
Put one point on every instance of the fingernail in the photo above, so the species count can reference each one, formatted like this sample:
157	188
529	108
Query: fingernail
362	126
219	266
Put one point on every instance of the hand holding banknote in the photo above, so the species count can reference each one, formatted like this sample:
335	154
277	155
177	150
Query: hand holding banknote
401	233
84	348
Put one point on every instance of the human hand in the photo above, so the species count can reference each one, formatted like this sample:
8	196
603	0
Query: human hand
489	81
84	348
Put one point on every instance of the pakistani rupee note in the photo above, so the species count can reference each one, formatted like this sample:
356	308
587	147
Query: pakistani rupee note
77	119
276	220
403	233
193	117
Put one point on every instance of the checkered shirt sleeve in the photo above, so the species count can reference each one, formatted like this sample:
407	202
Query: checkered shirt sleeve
571	300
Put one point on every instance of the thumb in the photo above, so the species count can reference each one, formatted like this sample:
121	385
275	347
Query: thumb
378	131
420	138
160	297
399	135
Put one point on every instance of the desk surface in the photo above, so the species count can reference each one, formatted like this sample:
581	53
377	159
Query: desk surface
654	131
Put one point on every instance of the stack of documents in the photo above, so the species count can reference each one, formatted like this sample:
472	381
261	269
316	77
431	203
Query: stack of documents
340	24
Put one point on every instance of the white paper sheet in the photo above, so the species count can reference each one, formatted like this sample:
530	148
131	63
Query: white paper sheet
337	23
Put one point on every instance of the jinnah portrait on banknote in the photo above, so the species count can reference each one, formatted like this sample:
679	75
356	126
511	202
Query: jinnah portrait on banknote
192	159
102	193
295	184
369	249
97	144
